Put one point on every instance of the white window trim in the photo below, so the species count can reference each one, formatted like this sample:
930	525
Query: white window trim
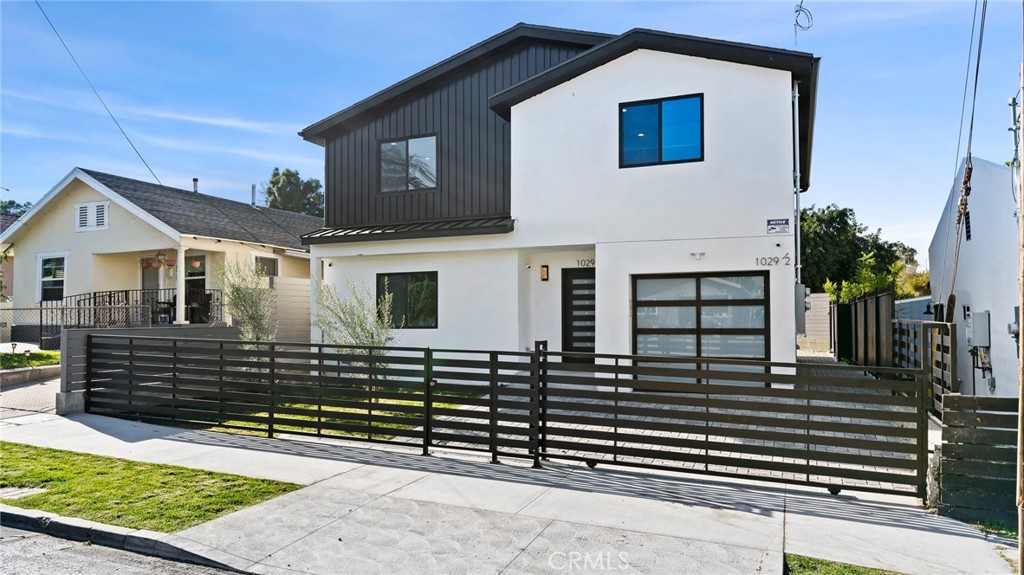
91	217
39	272
267	255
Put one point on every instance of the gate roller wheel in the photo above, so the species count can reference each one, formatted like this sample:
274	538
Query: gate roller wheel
834	490
591	464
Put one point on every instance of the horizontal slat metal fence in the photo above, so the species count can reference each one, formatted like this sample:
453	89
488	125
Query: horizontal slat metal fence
740	418
723	417
977	473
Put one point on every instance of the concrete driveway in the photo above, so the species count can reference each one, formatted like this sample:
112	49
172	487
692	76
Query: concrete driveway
30	396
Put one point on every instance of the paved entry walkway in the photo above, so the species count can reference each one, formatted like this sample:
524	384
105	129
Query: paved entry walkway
368	510
30	396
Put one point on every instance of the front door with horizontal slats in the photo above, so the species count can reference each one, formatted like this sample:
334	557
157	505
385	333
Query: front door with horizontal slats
578	312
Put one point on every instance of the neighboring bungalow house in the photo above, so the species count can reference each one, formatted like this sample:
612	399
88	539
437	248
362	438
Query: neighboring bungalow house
98	239
618	194
7	266
987	273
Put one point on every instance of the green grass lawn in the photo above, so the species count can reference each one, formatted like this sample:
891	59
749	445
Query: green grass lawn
34	359
800	565
127	493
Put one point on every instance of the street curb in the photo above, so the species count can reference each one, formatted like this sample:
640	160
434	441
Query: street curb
20	375
143	541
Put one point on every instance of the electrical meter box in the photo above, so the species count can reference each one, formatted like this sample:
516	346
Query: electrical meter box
978	329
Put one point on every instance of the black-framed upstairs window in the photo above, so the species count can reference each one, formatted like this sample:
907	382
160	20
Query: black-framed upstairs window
665	131
413	298
408	164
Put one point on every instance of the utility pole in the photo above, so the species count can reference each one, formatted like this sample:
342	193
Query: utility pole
1020	337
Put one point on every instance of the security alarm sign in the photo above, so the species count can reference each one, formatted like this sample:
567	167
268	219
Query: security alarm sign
778	226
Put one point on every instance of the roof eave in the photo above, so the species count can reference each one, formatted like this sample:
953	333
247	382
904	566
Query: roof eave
316	132
499	228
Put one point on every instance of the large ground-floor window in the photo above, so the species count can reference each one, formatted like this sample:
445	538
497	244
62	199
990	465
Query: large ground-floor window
413	298
723	315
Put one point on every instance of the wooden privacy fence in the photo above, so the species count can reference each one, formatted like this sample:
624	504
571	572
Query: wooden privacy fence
977	473
836	429
862	330
930	345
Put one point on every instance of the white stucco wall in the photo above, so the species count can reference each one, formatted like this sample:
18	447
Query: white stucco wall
987	272
477	296
567	187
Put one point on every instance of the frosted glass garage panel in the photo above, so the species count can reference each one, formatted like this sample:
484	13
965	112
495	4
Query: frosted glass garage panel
732	287
733	346
666	317
732	316
666	289
665	344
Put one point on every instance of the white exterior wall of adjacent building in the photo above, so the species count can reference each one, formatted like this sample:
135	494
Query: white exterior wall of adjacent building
572	203
987	273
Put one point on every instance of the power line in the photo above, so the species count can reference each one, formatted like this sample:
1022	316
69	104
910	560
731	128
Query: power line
965	186
802	20
94	91
959	142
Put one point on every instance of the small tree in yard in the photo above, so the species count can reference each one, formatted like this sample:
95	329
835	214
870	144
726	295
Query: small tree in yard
249	300
356	320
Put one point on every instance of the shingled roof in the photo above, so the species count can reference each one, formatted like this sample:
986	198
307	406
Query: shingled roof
191	213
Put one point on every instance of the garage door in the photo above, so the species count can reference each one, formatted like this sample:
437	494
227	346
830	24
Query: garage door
723	315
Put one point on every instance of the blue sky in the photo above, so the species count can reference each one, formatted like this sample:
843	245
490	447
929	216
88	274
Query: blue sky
219	90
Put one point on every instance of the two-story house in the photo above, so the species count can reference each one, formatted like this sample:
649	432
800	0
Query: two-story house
618	194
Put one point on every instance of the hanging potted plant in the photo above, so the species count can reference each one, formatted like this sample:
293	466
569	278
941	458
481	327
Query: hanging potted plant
196	264
171	262
157	264
144	262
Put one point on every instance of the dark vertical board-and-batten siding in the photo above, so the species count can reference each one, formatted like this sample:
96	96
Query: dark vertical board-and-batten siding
474	156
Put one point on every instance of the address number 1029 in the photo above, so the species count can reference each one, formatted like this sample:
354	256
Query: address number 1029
772	260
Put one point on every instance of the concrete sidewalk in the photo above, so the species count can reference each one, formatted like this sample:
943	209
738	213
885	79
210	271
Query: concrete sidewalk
370	510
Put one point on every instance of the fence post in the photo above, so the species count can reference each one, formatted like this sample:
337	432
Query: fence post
88	370
131	372
428	398
542	399
535	401
494	407
174	379
271	403
922	434
615	434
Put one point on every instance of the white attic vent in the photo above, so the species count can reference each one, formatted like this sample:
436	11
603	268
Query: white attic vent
91	216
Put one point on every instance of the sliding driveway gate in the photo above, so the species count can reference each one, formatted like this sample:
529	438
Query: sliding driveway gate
837	428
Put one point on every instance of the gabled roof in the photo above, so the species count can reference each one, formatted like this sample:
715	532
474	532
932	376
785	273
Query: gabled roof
316	133
802	65
178	212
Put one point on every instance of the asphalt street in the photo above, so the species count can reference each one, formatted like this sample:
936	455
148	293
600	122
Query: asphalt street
28	553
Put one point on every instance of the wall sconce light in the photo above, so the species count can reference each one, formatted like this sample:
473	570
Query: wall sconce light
544	273
697	255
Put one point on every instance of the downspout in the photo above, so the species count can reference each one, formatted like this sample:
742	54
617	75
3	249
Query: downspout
796	174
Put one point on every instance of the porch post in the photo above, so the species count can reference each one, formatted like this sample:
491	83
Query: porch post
179	288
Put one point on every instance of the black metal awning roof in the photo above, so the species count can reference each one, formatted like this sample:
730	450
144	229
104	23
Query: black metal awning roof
437	229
